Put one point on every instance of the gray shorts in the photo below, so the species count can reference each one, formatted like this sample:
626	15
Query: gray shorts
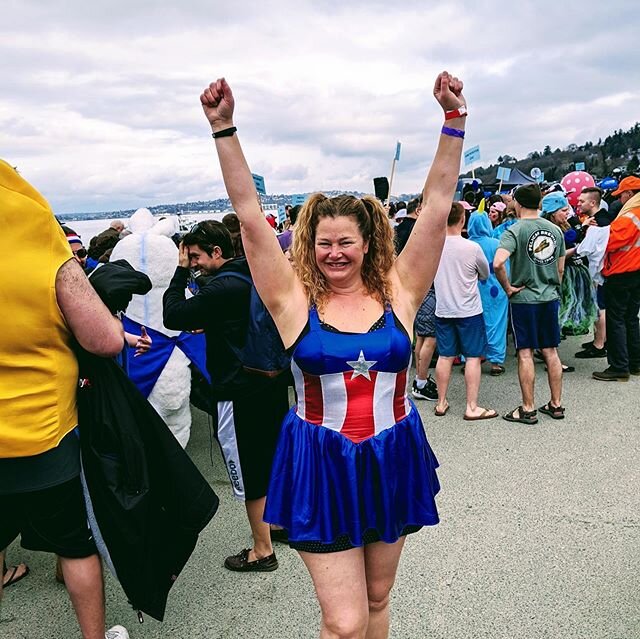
425	322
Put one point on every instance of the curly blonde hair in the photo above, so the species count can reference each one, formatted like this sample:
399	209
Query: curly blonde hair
373	225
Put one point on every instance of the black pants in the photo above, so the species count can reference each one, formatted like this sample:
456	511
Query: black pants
622	299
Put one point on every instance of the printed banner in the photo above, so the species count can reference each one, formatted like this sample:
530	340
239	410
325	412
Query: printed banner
258	180
471	155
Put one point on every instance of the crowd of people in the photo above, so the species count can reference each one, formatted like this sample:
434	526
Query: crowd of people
334	306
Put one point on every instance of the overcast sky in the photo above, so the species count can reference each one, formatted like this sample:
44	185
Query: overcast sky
99	106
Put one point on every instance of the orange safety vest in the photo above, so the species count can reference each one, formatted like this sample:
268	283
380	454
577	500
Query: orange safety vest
623	248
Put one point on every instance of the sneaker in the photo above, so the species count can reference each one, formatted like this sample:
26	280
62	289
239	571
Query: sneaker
241	563
429	391
609	375
589	344
117	632
591	352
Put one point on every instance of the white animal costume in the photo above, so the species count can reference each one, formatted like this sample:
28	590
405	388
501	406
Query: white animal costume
150	250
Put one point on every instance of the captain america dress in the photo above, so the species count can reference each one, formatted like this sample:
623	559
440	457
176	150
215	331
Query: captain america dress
352	458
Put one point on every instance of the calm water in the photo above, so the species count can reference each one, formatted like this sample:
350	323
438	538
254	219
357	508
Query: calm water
89	228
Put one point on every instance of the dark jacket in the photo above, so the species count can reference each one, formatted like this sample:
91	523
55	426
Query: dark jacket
604	217
402	233
149	500
221	308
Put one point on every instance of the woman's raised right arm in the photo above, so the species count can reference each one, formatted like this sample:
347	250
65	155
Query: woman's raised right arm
275	280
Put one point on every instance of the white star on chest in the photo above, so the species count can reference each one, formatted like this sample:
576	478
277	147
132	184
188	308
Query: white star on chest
361	367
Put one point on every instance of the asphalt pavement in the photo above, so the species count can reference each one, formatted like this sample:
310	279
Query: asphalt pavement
539	536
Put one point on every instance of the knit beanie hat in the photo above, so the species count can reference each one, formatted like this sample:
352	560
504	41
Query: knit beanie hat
528	196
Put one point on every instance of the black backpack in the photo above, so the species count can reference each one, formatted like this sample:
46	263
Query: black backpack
263	352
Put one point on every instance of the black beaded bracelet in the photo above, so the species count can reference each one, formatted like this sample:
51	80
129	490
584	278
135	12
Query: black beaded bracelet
224	133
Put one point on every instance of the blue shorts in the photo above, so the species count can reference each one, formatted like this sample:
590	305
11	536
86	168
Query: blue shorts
535	325
464	336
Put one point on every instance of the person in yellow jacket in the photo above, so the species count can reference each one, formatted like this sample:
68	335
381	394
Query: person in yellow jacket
43	310
622	286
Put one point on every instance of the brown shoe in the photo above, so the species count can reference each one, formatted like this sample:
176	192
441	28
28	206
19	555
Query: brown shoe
610	375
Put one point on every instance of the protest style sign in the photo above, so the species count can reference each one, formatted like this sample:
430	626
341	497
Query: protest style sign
504	173
471	155
258	180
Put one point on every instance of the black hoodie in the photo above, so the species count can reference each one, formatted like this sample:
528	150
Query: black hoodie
221	308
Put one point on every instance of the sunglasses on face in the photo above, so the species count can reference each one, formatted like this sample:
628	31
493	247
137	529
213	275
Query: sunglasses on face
81	253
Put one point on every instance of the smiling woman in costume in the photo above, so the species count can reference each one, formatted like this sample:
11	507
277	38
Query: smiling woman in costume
345	309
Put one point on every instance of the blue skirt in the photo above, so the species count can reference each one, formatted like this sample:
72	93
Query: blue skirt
324	486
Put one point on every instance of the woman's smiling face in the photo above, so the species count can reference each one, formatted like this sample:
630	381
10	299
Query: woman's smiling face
340	249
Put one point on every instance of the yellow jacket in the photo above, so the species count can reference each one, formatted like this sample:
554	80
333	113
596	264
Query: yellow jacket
38	370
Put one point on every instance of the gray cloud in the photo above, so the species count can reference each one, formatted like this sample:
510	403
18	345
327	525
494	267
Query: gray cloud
100	101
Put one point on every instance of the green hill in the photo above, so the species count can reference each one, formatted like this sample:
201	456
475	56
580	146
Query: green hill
618	154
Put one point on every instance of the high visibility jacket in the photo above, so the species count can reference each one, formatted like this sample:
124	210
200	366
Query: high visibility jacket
623	248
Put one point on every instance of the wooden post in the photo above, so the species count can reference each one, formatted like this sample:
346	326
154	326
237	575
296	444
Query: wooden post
393	170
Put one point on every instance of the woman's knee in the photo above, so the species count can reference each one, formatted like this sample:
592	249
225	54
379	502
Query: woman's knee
349	624
378	601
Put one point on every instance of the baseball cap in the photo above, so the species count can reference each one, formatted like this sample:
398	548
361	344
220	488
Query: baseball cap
630	183
465	205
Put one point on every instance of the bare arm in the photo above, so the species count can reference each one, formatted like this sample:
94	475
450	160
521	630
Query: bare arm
416	266
561	267
279	288
90	321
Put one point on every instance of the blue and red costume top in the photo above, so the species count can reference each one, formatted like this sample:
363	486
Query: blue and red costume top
352	455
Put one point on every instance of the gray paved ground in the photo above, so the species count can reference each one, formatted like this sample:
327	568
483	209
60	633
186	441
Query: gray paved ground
540	537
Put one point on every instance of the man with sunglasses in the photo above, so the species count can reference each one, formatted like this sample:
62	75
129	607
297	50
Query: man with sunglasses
248	408
77	248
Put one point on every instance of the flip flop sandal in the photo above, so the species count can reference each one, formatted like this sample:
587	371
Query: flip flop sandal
13	579
485	414
522	416
441	413
556	412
